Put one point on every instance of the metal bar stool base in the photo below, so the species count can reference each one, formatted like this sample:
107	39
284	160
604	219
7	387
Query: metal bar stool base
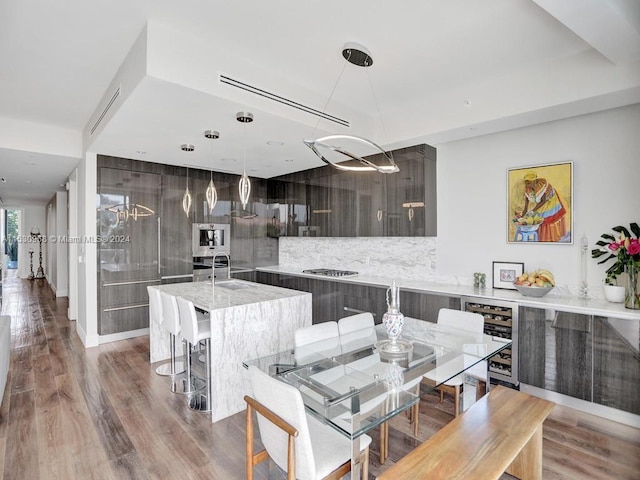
164	370
182	386
200	403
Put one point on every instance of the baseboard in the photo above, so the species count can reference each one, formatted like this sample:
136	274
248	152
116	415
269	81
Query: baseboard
87	341
603	411
114	337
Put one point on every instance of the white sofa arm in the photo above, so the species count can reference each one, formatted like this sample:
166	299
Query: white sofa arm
5	351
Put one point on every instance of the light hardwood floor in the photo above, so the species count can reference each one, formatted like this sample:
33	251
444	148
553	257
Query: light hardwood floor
70	412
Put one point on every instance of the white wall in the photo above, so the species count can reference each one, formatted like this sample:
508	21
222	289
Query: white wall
57	267
87	321
472	215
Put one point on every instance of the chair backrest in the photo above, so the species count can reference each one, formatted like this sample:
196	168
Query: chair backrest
286	402
188	320
472	322
357	331
316	333
171	318
317	341
355	322
155	306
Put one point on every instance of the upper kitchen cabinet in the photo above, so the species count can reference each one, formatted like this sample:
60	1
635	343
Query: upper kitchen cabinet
326	202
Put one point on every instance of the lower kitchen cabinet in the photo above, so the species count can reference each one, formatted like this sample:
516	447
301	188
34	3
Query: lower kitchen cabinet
616	363
583	356
333	300
425	306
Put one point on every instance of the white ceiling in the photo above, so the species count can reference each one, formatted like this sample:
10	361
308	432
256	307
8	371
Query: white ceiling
442	71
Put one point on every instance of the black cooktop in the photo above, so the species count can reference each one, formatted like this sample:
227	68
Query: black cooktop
329	272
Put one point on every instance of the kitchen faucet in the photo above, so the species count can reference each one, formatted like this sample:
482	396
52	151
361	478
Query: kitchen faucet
228	265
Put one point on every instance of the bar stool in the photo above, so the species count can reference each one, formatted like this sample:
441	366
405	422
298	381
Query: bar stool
195	330
173	367
184	383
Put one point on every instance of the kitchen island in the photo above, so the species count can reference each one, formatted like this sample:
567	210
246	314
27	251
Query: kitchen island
248	320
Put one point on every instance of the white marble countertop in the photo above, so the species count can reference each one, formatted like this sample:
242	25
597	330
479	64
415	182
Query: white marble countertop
206	298
575	304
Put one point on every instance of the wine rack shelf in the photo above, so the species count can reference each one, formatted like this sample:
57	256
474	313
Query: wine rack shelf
500	320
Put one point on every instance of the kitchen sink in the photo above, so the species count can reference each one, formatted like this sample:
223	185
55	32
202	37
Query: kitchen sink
233	285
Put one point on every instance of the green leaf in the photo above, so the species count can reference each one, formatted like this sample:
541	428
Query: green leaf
606	259
608	236
635	229
601	243
620	229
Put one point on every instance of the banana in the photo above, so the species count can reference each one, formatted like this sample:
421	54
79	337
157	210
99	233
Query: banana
547	275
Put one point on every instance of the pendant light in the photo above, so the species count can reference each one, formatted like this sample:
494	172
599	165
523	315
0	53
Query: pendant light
358	55
186	198
244	186
211	193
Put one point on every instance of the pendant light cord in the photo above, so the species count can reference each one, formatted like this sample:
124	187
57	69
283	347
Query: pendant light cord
330	96
375	100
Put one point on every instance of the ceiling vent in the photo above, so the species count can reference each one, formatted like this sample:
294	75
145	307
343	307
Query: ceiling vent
277	98
104	112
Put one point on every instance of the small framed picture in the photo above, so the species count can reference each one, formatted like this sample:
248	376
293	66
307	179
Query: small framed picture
505	273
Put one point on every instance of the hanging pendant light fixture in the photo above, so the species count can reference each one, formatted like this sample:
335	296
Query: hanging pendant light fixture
186	198
356	55
244	186
211	194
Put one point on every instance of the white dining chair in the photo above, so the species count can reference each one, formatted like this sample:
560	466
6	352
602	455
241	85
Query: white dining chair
359	329
302	446
471	322
356	330
317	341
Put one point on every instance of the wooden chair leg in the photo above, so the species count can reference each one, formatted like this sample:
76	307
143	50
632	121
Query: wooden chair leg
416	413
365	464
456	401
441	395
481	389
384	439
249	436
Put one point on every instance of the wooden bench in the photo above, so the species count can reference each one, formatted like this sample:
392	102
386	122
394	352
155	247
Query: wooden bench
502	432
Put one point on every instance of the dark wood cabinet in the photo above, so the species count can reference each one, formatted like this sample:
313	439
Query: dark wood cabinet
175	228
128	247
582	356
616	363
325	202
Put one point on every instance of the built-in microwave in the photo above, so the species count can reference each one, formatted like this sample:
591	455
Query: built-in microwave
210	238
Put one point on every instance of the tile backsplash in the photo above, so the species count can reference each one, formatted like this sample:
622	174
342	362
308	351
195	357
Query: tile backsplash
411	258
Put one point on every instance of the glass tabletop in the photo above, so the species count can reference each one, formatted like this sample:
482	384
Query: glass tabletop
356	381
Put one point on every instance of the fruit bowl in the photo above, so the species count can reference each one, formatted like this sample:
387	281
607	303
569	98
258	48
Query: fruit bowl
533	291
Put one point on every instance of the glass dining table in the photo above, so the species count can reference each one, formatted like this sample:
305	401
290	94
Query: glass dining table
357	381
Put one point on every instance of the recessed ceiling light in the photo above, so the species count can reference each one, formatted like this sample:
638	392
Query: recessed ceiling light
187	147
227	159
467	103
289	160
212	134
141	152
275	143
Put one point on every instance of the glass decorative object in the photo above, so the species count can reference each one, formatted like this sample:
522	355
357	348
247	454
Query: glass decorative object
632	300
393	319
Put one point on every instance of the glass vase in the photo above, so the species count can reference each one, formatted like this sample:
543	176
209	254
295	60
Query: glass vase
632	300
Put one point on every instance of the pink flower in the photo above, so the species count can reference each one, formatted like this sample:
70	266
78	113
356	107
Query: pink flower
634	247
613	246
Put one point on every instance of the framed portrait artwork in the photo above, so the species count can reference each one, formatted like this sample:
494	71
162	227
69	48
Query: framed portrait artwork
505	273
540	204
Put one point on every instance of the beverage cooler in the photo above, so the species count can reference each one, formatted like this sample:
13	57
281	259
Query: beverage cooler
500	320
